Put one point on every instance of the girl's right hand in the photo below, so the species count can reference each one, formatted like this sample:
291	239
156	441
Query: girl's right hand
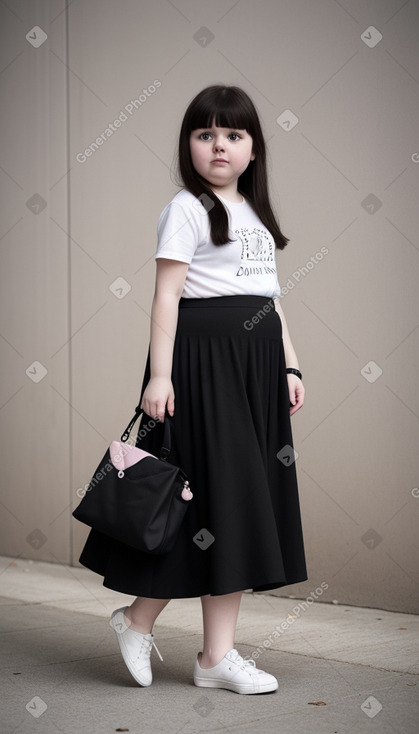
158	393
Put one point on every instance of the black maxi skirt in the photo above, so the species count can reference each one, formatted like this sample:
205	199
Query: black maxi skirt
242	530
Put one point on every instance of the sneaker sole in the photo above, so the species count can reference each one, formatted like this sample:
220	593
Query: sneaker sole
143	682
235	687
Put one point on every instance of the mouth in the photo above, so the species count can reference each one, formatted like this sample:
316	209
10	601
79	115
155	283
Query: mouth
219	160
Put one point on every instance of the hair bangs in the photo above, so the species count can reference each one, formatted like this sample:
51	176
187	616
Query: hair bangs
224	110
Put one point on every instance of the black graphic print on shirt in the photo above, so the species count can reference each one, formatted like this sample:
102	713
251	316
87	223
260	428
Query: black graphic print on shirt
257	246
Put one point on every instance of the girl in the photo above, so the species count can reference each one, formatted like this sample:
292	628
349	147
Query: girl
221	367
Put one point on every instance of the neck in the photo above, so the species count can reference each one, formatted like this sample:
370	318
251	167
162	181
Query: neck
230	194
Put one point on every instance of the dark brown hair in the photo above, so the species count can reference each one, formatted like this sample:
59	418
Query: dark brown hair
232	108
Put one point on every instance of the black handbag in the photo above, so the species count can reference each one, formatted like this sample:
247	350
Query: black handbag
135	497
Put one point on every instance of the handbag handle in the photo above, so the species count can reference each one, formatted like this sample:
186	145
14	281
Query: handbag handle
167	442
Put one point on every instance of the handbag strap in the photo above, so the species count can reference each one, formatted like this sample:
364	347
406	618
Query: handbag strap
167	441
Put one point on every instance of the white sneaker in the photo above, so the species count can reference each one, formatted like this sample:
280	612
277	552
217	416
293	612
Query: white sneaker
135	647
236	674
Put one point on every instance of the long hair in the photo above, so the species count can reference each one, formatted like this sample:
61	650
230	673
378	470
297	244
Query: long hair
232	108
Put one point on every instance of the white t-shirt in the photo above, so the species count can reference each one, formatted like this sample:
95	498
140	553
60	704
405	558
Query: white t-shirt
245	266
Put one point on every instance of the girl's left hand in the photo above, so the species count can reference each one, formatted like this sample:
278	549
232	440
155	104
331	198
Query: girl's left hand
296	392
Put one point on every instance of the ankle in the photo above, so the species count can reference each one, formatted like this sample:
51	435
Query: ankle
135	624
210	660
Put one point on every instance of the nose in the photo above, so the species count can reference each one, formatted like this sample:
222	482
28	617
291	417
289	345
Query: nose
218	143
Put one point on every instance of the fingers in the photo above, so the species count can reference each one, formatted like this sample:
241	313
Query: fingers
171	404
153	408
296	394
299	402
293	394
157	409
158	394
294	408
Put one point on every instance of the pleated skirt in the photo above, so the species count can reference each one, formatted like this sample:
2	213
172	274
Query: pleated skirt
232	437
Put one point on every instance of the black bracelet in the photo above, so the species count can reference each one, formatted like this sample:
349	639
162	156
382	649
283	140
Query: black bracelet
292	371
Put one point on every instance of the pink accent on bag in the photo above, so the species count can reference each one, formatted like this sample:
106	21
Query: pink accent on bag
186	494
124	455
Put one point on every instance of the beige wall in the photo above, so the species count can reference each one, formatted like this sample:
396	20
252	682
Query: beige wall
355	141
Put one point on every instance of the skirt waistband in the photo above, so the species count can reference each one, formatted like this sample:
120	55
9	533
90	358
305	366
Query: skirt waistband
238	301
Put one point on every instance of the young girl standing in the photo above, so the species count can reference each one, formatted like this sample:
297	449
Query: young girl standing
221	367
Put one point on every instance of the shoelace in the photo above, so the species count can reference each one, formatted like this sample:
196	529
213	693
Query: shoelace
244	662
148	644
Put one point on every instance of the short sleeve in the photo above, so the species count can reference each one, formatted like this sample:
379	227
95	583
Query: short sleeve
177	233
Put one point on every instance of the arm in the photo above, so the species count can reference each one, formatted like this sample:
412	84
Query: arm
170	278
295	385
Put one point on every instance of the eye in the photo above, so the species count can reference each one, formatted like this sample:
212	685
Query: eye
237	135
201	138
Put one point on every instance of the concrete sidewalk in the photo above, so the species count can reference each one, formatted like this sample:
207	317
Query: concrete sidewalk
341	669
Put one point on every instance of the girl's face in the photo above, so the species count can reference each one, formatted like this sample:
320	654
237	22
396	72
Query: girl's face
212	144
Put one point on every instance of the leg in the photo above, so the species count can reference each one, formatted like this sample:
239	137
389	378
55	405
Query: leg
143	612
135	637
219	618
234	673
